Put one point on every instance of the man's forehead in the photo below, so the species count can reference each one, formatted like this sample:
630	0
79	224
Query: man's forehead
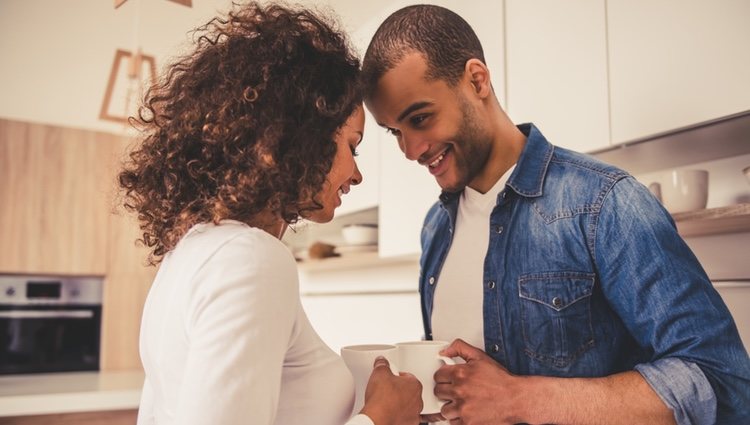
399	87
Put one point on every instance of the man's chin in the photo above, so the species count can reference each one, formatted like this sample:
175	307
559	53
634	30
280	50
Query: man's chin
451	187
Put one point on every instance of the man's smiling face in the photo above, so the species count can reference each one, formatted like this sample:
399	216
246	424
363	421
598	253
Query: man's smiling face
435	123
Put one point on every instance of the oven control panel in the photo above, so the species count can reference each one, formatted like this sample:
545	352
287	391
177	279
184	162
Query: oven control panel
50	290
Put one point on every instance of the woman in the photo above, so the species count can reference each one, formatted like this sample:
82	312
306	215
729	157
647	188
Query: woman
255	129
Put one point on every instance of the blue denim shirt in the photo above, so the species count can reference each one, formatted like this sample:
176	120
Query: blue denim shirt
586	276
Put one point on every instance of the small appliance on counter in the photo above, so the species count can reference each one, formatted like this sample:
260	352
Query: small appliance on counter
49	324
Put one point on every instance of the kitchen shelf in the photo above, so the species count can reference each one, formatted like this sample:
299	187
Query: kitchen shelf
714	221
706	141
353	261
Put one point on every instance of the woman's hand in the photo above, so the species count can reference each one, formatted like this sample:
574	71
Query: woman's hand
391	399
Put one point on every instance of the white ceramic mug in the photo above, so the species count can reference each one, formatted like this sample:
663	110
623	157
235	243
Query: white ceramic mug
682	190
421	359
360	359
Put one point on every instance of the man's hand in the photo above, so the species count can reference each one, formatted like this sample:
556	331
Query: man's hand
478	392
391	399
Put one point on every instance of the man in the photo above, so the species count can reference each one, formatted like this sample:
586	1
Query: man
587	305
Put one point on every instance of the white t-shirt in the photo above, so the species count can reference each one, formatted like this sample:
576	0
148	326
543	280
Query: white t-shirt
224	339
459	292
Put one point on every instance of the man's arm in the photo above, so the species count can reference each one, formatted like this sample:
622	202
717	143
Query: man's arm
483	392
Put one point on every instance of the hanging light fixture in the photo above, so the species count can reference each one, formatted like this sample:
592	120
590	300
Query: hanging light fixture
127	76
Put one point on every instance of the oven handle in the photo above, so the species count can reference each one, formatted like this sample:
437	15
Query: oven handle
47	314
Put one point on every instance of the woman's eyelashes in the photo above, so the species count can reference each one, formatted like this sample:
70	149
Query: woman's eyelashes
355	153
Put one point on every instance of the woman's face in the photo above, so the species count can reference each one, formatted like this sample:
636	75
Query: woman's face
344	172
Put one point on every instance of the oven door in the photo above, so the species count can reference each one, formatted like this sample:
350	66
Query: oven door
49	338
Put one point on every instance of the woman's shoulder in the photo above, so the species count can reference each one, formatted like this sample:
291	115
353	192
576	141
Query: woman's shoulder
235	235
233	246
234	258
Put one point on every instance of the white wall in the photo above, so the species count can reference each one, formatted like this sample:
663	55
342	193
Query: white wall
55	56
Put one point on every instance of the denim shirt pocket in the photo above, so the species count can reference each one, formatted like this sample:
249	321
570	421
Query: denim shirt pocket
556	316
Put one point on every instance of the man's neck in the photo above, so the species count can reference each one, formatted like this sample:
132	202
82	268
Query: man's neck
508	143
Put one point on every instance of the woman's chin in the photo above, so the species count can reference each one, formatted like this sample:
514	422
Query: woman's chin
322	216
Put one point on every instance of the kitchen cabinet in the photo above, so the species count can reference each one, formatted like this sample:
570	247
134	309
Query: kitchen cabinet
366	194
373	305
556	58
54	192
676	62
408	191
59	217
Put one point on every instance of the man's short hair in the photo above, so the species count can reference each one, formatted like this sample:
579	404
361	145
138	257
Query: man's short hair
445	39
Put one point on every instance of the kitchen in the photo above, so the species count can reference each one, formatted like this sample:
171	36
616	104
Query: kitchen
621	84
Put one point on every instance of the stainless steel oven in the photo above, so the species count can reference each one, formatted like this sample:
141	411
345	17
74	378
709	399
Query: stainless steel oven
49	324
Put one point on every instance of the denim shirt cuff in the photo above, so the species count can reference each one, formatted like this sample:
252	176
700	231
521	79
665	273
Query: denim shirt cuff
683	387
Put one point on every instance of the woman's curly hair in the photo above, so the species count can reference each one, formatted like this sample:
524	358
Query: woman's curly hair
242	125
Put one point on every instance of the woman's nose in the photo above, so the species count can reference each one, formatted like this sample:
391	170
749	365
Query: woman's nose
357	176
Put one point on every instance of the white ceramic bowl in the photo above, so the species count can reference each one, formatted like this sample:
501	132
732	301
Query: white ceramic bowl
360	234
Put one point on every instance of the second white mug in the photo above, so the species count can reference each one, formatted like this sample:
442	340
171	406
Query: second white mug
421	359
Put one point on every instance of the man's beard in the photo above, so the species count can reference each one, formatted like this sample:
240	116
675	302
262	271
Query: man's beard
471	148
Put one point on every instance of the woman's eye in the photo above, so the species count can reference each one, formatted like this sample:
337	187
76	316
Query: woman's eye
354	151
393	131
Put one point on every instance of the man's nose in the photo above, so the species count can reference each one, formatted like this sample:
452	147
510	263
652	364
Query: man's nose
413	147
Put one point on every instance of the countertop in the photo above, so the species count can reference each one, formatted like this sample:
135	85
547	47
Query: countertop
39	394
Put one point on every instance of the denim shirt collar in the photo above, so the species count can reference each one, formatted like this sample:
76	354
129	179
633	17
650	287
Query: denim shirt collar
528	177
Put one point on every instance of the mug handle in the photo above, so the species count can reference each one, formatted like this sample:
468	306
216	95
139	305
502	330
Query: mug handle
447	360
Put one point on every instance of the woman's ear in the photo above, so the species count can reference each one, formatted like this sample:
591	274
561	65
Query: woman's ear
479	77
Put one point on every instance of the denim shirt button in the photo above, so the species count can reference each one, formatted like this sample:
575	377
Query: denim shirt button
495	348
498	229
491	284
432	280
557	302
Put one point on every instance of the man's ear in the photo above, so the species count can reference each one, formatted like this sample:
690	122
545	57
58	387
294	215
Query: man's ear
479	77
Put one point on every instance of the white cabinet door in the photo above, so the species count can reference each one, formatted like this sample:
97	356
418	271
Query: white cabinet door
371	318
676	62
557	70
365	195
407	190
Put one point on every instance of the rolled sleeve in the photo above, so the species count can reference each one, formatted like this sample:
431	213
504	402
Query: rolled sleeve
683	387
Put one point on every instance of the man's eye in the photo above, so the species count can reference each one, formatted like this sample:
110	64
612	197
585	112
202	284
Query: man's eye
416	120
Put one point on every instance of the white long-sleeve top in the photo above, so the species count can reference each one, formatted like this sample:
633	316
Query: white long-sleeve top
224	339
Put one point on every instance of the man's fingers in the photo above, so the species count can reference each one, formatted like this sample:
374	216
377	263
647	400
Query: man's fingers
460	348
